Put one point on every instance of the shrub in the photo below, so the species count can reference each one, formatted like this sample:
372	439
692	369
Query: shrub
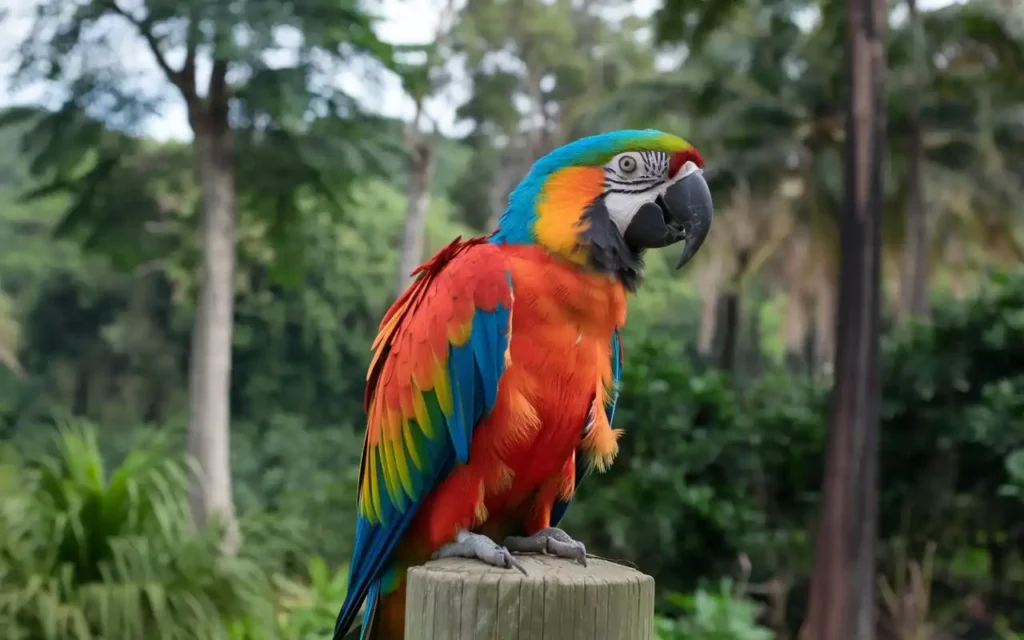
713	615
305	610
87	554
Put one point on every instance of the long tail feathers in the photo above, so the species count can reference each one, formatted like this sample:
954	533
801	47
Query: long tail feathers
372	613
354	634
348	613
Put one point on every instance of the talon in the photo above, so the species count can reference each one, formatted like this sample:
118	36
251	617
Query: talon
479	547
551	540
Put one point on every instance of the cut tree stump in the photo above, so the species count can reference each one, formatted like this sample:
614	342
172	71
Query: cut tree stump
456	599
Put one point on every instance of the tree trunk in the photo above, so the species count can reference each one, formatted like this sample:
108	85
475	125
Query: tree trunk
708	323
730	330
842	598
707	281
797	318
914	285
732	314
795	329
825	326
210	359
424	159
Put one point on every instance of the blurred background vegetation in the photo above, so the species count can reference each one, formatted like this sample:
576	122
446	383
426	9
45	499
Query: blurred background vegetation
728	366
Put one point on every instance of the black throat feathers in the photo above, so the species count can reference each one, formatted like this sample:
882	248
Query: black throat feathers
607	250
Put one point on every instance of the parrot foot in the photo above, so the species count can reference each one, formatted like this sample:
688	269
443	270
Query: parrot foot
551	540
474	545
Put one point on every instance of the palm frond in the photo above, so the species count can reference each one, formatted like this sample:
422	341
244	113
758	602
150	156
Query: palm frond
91	553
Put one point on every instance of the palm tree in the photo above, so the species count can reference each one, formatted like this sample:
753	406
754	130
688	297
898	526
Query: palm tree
914	283
765	100
847	532
762	105
970	127
842	591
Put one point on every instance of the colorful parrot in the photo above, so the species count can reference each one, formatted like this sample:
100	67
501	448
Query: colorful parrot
495	374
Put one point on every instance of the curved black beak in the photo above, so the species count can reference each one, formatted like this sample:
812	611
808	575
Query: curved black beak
683	212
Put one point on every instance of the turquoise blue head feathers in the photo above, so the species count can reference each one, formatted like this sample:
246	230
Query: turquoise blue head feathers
583	201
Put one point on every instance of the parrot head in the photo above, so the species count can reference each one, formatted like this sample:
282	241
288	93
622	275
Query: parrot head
601	201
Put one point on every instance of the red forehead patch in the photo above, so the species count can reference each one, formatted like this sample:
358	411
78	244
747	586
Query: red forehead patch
679	158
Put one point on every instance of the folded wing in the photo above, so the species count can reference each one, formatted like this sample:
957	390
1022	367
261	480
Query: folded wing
438	357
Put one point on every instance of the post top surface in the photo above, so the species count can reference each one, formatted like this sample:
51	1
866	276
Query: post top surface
538	568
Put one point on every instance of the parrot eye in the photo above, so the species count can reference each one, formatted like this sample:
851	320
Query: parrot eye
627	164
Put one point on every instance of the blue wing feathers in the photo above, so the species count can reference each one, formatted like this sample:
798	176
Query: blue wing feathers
474	370
372	600
616	375
461	372
372	549
489	345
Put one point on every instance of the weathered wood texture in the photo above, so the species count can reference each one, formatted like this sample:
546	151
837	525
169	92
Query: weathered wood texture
457	599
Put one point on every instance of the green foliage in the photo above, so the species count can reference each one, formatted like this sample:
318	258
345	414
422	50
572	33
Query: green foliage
9	334
694	451
951	395
709	469
531	58
1005	632
305	611
311	610
306	351
303	479
713	615
293	131
85	553
112	346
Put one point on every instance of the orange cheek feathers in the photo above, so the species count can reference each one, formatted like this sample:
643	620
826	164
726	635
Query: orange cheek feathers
560	206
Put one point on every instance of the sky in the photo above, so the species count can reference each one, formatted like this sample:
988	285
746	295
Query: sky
404	22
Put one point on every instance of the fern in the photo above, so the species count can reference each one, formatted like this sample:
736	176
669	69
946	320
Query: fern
88	555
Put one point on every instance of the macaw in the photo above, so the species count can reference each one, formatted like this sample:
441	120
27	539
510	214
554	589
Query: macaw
494	378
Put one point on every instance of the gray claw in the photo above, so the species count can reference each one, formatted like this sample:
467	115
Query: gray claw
480	547
551	540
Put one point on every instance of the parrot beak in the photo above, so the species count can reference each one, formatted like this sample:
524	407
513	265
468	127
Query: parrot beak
683	212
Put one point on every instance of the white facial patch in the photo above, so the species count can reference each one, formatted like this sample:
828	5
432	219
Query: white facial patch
635	178
623	206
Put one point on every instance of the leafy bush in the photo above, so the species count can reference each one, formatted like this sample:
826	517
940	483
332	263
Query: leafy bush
711	466
310	611
304	479
305	611
87	554
706	470
713	615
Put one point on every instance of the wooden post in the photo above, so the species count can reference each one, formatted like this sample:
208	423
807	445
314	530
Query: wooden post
456	599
